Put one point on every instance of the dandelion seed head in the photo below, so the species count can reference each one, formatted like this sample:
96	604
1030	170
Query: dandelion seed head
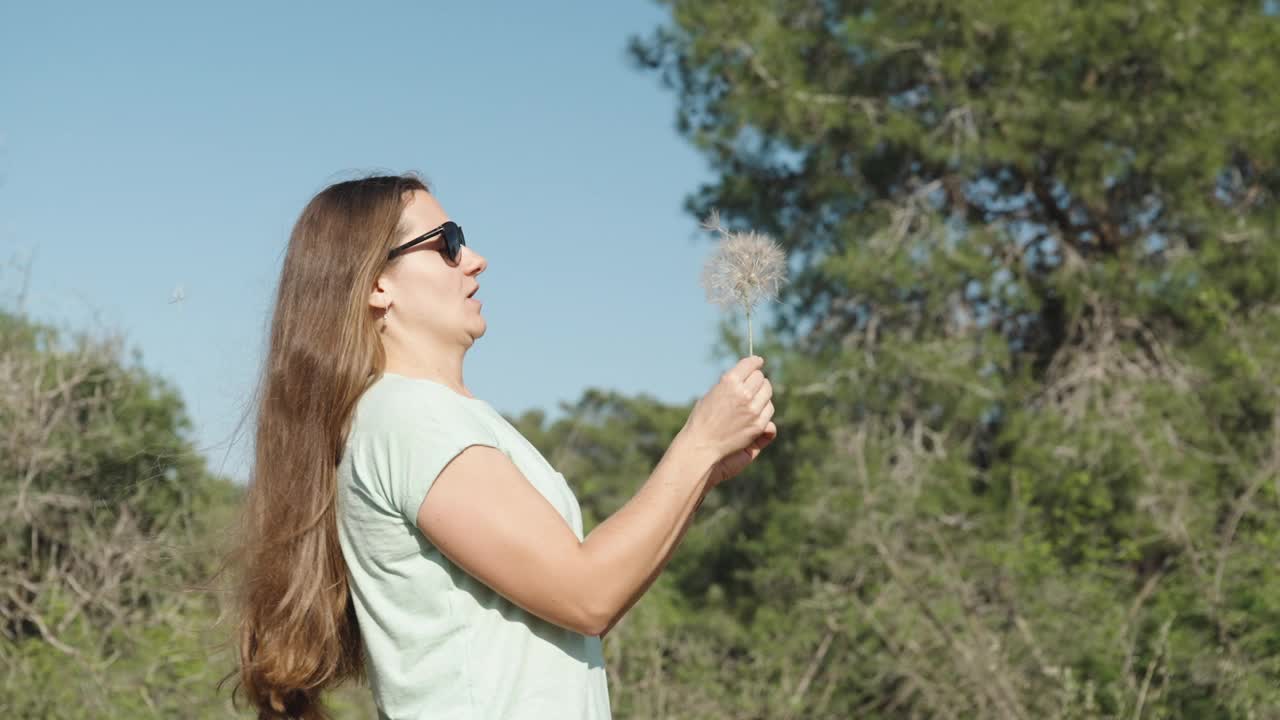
747	268
713	222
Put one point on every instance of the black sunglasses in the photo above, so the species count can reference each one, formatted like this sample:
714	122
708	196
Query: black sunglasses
453	241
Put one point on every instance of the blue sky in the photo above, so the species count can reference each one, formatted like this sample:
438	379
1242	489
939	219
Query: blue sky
146	147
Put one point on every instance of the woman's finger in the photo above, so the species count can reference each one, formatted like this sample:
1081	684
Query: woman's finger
766	414
763	397
745	367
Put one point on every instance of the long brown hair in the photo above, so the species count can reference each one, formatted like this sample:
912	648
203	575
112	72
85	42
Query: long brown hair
297	633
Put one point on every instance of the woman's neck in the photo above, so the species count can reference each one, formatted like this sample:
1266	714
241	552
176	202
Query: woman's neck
445	369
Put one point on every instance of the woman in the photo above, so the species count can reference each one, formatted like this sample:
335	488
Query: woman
398	528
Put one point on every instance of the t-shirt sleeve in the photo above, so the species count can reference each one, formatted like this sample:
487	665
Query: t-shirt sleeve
415	455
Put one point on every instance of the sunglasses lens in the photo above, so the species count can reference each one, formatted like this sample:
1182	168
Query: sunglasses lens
453	240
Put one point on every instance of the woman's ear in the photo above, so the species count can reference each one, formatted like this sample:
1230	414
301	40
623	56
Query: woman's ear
379	298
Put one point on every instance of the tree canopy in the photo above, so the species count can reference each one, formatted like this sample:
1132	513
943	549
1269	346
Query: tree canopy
1029	450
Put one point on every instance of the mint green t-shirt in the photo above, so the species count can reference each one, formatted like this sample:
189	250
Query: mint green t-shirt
440	644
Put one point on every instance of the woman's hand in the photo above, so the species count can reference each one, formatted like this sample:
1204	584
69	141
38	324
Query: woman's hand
734	420
736	462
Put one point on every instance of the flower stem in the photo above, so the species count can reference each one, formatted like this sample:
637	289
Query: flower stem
750	343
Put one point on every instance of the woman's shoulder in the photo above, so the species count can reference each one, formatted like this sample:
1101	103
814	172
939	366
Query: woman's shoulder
395	403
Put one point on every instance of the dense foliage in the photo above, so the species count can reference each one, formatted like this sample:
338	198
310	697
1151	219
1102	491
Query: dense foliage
106	506
1030	450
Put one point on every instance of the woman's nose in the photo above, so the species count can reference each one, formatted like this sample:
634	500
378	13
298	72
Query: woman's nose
477	263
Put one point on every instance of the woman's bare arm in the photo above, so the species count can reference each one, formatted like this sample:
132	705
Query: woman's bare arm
483	515
653	576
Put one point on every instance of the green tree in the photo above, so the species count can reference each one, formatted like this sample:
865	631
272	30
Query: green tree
110	523
1029	452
